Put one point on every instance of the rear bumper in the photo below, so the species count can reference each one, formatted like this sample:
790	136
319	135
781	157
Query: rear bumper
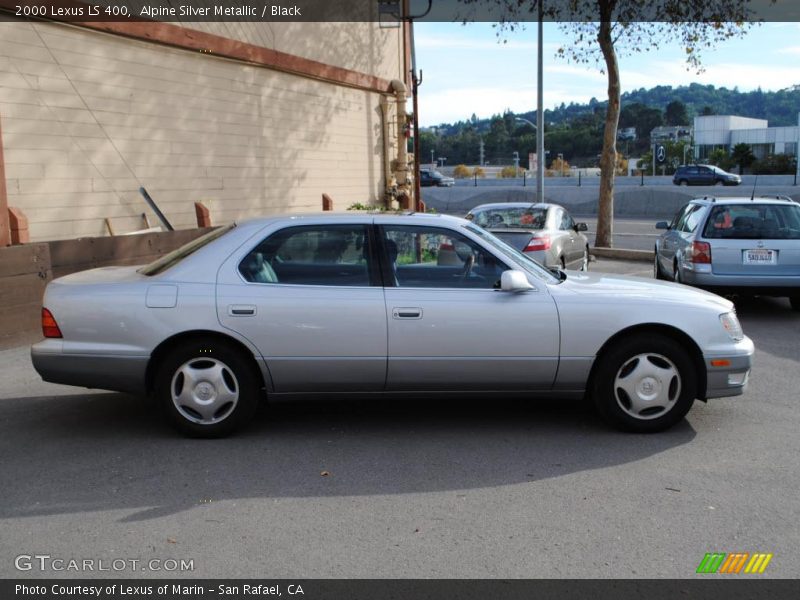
115	373
769	285
728	375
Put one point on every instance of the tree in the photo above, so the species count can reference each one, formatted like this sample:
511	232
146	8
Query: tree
675	113
743	156
602	28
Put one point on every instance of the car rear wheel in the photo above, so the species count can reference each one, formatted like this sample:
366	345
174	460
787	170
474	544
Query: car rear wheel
644	384
676	273
207	389
683	183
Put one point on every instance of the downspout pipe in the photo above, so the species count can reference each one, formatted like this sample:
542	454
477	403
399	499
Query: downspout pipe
401	168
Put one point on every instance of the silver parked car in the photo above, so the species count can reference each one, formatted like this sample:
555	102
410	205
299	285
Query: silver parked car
545	232
734	245
383	303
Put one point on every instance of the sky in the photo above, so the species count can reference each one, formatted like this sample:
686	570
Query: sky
466	70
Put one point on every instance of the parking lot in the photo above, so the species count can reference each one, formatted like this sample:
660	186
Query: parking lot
458	488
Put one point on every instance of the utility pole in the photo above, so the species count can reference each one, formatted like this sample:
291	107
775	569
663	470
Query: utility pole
540	109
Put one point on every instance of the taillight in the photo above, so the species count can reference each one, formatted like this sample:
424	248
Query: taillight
540	241
49	326
700	253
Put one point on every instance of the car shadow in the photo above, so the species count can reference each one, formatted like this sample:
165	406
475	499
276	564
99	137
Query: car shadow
113	451
771	322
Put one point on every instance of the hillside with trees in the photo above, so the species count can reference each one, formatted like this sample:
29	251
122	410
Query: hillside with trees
576	130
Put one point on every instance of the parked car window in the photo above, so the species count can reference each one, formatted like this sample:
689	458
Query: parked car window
691	218
678	216
439	258
510	218
335	255
755	221
566	221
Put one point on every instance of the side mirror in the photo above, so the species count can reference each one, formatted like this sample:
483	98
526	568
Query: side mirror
581	227
662	225
514	281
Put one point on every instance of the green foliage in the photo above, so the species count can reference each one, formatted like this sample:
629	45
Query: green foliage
676	114
361	206
775	164
721	158
743	156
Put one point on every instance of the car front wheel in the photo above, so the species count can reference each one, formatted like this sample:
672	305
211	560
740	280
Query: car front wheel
657	274
644	384
207	389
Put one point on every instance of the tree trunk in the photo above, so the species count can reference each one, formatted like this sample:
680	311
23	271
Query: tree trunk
608	159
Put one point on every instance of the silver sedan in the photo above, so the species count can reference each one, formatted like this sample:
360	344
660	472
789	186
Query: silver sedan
545	232
383	303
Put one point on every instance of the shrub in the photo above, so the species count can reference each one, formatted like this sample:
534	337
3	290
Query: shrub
478	172
461	172
507	173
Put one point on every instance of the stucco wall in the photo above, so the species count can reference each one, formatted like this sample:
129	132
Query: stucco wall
88	117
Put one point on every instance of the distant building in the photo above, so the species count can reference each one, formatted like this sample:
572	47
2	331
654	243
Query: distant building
726	131
671	134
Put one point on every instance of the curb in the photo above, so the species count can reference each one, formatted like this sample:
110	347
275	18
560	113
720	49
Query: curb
622	254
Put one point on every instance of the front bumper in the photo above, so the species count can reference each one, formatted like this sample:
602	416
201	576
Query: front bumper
728	375
118	373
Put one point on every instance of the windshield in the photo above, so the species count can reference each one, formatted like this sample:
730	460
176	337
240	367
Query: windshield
173	258
515	217
523	261
754	222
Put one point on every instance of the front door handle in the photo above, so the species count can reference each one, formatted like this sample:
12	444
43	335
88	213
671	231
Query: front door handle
407	313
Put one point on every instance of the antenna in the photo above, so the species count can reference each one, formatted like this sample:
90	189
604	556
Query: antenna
753	195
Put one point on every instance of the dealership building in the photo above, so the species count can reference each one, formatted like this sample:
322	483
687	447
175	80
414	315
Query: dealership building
726	131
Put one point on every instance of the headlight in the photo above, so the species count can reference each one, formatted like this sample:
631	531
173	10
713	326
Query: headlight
732	326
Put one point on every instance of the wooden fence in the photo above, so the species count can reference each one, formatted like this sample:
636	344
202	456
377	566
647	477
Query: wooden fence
25	271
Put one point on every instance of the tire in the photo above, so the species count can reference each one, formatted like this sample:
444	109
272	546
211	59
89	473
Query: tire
585	262
563	264
676	273
657	274
795	302
644	384
719	182
683	183
224	394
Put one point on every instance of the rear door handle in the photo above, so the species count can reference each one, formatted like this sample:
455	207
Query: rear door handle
241	310
407	313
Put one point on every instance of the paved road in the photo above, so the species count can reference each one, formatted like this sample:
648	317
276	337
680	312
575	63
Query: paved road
467	488
632	234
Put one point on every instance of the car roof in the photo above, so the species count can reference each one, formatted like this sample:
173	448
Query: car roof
708	200
500	205
344	216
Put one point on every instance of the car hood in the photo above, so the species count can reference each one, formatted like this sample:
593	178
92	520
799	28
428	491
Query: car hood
608	285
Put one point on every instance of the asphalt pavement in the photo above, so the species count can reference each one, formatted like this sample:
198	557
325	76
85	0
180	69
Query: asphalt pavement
465	488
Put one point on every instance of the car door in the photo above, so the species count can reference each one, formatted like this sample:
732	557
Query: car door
450	327
705	176
309	298
670	240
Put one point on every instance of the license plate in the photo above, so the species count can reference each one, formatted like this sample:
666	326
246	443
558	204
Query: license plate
760	256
